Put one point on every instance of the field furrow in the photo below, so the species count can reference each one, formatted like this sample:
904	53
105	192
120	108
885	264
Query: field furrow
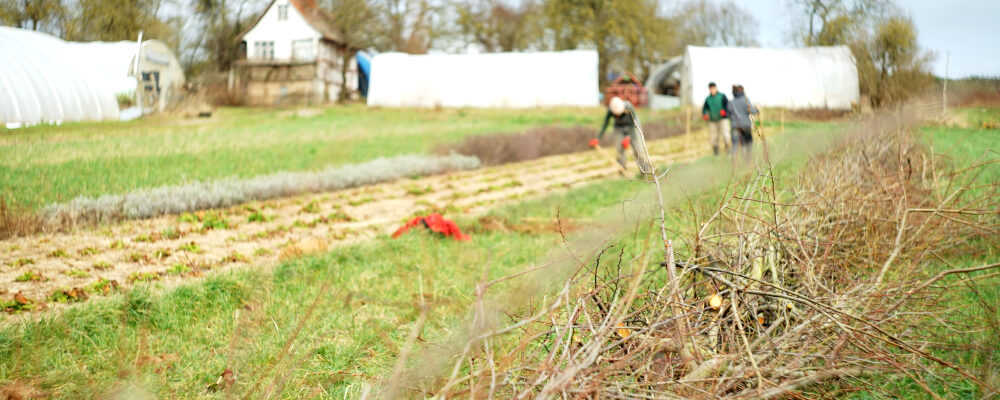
69	267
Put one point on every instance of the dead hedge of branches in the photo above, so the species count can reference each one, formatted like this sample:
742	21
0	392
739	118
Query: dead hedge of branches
502	148
784	285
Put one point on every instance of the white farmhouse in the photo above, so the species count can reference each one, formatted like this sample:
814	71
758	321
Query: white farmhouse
293	55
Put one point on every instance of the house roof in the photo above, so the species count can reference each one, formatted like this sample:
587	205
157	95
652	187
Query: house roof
312	13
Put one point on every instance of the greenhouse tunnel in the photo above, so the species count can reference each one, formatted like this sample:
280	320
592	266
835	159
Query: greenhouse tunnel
45	80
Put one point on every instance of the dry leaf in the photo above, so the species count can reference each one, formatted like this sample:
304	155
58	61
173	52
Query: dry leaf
715	301
623	331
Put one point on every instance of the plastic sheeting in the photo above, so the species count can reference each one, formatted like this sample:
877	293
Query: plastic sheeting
112	60
502	80
364	60
43	80
812	77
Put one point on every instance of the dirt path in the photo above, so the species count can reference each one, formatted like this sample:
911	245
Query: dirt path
70	267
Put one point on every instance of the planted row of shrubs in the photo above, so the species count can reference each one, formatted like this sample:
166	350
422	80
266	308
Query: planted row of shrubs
146	203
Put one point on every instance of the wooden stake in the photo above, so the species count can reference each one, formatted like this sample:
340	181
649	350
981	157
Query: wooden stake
944	91
782	120
687	127
611	159
761	124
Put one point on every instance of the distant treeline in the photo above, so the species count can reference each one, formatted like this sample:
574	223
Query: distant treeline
633	35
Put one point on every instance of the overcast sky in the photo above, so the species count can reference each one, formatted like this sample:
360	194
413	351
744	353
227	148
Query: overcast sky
969	29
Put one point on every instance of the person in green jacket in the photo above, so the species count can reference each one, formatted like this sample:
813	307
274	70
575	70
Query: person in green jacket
714	111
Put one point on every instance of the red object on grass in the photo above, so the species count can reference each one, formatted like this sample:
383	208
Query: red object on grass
627	142
722	113
593	142
436	223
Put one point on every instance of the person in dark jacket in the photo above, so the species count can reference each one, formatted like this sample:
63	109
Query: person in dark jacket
740	111
714	111
623	126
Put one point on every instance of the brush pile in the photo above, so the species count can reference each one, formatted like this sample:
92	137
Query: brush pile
837	275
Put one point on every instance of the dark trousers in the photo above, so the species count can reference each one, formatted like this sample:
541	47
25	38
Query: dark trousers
621	134
743	139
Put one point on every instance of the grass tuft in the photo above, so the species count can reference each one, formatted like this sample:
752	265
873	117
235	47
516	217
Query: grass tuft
190	247
20	262
143	277
179	269
68	295
77	273
58	253
102	265
137	257
30	276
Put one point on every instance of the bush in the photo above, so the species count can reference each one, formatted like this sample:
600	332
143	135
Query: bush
125	100
891	65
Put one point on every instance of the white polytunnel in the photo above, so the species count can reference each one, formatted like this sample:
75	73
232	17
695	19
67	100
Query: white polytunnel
810	77
505	80
44	79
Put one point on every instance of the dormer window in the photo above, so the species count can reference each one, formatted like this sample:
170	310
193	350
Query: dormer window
283	12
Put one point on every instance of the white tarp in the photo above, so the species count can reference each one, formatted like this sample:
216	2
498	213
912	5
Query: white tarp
502	80
811	77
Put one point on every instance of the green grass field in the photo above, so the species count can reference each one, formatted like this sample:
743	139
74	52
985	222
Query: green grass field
47	164
976	306
176	341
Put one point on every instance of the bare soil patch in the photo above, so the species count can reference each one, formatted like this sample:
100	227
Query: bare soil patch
502	148
19	391
815	114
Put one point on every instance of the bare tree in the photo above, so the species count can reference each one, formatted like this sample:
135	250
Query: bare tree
621	31
221	22
113	20
831	22
704	23
409	26
498	26
36	15
354	21
891	65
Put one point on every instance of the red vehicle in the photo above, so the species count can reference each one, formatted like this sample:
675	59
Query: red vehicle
628	87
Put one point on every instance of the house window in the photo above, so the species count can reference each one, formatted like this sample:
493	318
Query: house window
263	50
302	49
283	12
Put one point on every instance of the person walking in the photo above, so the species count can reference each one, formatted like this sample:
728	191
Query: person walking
714	111
740	110
623	126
